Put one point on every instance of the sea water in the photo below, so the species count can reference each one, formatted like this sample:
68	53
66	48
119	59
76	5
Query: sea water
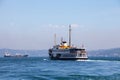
42	68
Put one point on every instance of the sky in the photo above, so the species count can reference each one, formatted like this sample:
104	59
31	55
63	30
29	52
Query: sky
31	24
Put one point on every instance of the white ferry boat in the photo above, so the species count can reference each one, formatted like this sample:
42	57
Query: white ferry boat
63	51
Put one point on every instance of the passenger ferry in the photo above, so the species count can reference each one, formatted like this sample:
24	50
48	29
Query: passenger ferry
63	51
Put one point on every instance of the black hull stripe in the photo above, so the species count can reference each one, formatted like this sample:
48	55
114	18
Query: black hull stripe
68	58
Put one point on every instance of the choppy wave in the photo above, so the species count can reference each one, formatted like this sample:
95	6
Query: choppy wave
42	68
71	77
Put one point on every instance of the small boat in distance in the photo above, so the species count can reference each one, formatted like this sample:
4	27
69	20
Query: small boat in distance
16	55
63	51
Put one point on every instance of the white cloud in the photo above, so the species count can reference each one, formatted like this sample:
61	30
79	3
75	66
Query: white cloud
63	26
56	26
75	25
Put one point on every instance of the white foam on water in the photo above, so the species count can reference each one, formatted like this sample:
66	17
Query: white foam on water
94	60
44	59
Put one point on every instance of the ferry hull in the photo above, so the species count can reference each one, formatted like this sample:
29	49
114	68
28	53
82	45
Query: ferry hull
54	58
16	56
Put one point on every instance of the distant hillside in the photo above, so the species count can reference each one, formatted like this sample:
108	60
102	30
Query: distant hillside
115	52
31	53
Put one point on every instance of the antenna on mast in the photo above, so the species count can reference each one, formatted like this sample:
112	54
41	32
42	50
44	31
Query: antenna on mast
70	35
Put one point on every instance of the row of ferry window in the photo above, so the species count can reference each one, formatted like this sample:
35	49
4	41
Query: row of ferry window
71	55
60	50
68	55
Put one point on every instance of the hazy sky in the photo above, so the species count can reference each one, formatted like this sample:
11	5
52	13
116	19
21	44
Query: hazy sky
31	24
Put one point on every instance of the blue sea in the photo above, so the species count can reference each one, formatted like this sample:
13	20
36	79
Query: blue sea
42	68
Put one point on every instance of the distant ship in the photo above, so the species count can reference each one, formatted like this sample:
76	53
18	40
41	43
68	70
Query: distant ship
16	55
63	51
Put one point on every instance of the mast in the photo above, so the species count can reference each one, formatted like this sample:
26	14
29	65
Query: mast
70	35
55	39
61	39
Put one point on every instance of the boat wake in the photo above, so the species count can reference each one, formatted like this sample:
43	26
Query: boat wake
97	60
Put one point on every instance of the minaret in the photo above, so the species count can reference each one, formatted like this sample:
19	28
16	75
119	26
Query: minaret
70	35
